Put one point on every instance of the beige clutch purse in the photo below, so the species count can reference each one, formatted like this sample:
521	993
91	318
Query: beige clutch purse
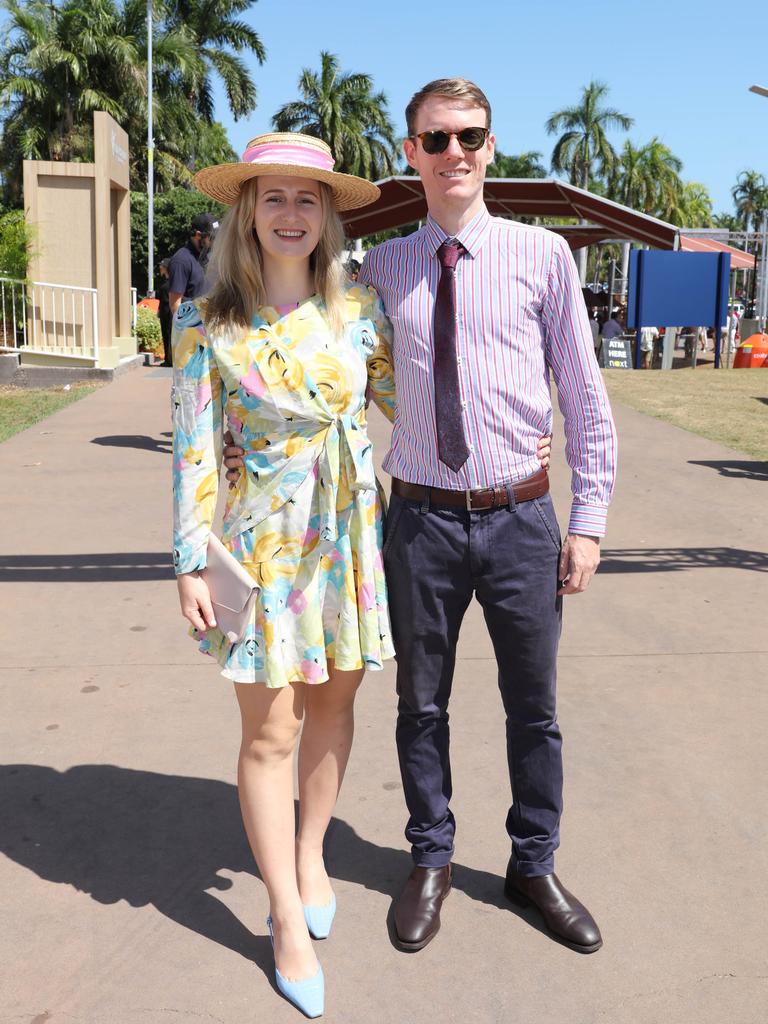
233	591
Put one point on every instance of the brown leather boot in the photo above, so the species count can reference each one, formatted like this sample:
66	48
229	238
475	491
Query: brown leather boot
565	917
417	910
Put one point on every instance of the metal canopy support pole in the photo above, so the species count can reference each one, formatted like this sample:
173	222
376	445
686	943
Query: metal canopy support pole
150	164
639	305
762	311
670	332
719	308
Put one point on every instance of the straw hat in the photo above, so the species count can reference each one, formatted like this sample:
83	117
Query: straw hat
291	154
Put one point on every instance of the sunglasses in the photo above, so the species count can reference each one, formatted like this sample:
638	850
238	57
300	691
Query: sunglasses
470	139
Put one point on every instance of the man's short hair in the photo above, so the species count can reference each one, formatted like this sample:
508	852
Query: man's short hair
460	89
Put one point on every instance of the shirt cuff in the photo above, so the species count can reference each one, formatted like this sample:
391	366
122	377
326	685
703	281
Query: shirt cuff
586	519
189	561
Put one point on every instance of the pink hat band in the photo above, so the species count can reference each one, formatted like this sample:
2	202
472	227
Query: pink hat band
288	153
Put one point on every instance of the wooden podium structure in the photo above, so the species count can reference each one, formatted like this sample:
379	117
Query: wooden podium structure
79	306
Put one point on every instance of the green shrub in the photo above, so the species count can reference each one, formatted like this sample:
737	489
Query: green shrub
15	244
148	333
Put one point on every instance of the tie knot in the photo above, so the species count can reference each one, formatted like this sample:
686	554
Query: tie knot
449	253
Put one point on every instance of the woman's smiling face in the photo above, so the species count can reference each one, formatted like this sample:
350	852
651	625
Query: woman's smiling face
289	216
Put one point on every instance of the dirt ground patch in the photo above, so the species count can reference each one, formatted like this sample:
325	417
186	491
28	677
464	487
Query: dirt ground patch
729	406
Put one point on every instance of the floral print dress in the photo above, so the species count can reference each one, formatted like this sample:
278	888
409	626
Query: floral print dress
305	519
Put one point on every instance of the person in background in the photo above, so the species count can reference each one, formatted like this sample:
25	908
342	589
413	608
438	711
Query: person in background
613	327
732	329
648	339
164	312
186	269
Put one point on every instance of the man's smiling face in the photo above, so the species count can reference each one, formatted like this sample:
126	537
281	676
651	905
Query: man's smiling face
453	178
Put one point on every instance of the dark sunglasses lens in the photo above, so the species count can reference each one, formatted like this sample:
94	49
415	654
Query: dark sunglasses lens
472	138
434	142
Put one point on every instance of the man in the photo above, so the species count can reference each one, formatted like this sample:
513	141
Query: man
186	269
612	327
164	312
482	309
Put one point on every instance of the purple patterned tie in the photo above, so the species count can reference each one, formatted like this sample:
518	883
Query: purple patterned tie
451	443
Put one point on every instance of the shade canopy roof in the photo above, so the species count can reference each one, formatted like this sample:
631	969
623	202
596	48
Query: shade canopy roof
402	201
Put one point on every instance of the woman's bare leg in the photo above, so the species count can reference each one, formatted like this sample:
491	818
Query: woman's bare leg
326	741
271	721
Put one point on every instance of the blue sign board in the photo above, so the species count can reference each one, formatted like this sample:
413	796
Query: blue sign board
678	289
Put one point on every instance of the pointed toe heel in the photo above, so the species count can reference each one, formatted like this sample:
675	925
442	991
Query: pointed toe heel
306	994
320	918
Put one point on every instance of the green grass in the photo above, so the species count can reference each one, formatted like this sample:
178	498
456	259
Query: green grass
22	407
729	406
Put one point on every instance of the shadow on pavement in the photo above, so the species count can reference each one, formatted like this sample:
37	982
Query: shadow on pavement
118	567
162	840
677	559
736	469
104	567
142	441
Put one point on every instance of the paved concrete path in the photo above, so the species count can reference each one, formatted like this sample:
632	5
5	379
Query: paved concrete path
129	893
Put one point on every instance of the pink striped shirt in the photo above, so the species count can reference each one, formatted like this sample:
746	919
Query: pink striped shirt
520	314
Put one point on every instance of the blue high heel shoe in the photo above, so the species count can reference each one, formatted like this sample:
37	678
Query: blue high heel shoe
320	918
307	994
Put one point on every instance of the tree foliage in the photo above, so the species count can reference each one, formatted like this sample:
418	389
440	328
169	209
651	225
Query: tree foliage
343	110
520	165
583	148
750	195
60	62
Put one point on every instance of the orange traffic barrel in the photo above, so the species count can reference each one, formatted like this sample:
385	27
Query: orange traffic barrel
752	352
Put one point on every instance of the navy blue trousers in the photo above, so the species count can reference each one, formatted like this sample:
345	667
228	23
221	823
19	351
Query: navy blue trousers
436	558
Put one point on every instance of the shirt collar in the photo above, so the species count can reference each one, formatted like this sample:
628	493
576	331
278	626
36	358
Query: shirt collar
472	236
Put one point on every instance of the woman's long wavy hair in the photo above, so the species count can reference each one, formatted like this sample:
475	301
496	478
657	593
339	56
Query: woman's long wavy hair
237	271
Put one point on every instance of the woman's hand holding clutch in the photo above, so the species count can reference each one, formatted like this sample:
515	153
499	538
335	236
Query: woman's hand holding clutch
195	601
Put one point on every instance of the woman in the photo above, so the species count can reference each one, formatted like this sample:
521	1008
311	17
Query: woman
284	348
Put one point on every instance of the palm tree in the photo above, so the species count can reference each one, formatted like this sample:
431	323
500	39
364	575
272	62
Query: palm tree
46	79
750	194
60	63
583	149
521	165
217	31
342	109
647	178
692	206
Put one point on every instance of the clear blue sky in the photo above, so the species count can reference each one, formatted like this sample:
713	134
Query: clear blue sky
680	68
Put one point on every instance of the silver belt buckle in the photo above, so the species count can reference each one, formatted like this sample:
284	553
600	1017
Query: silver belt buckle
468	495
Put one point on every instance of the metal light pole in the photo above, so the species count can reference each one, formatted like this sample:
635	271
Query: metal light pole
150	164
762	301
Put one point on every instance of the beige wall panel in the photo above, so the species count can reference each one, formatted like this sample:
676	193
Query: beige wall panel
66	223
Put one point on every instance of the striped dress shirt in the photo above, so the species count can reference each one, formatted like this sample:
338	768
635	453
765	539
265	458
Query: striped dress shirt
520	313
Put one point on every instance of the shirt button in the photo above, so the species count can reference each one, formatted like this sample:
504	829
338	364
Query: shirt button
463	405
472	448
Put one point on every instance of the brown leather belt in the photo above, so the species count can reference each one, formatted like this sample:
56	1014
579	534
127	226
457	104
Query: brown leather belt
480	499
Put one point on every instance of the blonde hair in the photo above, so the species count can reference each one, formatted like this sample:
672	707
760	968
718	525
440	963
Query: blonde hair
460	89
237	266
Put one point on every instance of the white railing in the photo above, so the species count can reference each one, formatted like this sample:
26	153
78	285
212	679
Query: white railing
54	319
